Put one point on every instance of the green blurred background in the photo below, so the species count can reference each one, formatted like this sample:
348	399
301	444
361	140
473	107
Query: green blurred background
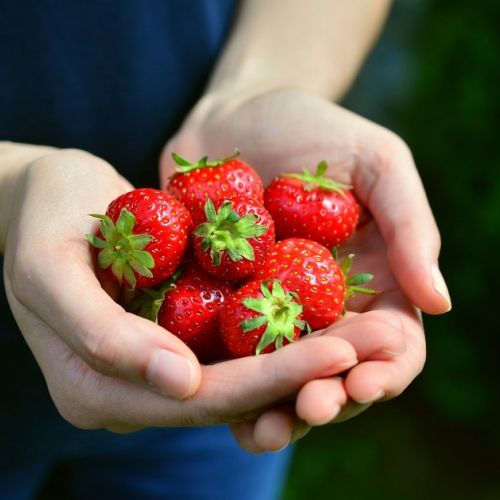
434	78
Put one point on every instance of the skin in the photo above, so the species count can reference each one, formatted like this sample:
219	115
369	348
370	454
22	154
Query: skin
272	97
107	369
397	241
100	363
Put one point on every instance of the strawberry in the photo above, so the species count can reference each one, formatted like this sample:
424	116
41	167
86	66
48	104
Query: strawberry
260	317
142	238
312	206
309	269
191	311
234	238
194	183
188	306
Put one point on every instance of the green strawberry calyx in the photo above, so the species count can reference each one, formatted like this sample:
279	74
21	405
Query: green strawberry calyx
121	249
148	302
354	281
279	311
318	180
226	231
184	166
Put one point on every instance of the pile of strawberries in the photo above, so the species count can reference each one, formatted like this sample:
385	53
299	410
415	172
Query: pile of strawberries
231	268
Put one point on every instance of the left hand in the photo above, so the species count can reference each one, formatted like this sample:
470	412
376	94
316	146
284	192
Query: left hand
282	130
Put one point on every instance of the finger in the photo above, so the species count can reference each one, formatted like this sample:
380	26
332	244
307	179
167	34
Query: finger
278	427
389	185
243	433
107	338
50	272
374	380
380	380
259	381
230	391
273	429
374	334
320	401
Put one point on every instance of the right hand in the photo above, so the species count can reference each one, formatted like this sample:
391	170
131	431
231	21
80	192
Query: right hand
398	240
104	367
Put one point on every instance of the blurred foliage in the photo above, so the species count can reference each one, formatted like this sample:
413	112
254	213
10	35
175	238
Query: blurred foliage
441	93
451	123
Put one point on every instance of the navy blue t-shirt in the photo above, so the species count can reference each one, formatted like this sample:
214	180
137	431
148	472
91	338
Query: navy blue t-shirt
113	77
116	78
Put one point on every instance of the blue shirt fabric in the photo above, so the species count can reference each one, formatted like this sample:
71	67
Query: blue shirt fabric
116	78
113	77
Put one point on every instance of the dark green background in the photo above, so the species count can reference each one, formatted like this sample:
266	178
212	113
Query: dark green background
434	78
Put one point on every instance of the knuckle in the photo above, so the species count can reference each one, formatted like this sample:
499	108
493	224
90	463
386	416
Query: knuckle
201	413
391	149
386	156
412	365
57	162
102	350
21	271
395	145
85	158
72	154
199	416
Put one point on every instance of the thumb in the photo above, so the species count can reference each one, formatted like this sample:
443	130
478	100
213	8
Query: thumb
110	340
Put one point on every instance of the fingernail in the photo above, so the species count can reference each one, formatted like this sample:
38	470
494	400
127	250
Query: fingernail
333	415
170	373
378	395
335	412
282	447
440	285
348	363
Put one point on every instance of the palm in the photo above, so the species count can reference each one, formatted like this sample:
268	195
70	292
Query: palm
370	256
284	131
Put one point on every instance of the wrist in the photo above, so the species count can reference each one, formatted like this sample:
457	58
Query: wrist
316	46
15	159
253	76
220	101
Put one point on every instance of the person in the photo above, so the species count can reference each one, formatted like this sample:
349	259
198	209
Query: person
90	87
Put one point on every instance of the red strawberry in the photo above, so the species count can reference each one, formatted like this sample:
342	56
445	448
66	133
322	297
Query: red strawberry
313	207
310	270
194	183
235	238
191	311
260	317
188	306
142	238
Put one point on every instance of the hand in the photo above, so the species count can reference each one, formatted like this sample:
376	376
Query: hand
285	129
106	368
